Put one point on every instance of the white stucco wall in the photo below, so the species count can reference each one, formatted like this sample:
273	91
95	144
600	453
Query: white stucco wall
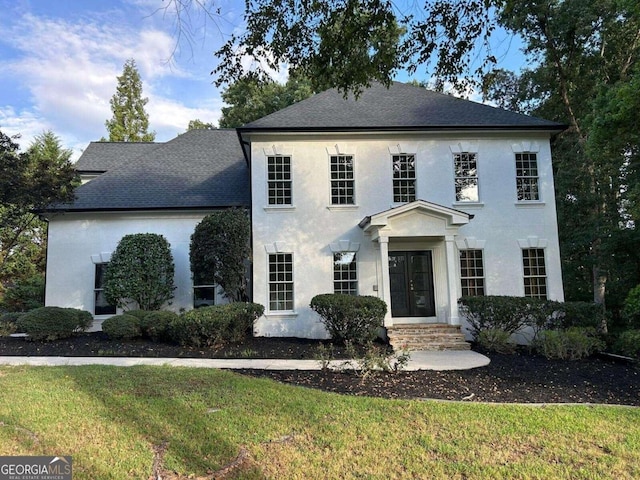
75	237
501	225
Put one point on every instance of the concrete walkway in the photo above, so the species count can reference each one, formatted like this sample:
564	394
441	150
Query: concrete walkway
420	360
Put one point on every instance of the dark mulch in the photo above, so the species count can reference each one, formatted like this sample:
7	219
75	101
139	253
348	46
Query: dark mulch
521	377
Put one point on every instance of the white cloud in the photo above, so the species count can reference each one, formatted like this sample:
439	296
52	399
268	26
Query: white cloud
69	70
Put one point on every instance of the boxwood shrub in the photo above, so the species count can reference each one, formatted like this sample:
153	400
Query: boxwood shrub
52	323
215	325
155	325
123	326
349	318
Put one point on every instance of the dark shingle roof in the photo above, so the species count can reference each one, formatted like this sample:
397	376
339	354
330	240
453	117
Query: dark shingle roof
198	169
400	107
105	156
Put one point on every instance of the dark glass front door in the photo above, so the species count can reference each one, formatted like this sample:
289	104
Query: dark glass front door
411	284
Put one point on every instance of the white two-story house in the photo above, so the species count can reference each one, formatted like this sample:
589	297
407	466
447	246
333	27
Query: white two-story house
412	196
409	195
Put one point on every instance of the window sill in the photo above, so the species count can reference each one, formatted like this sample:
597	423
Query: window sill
279	208
468	204
342	207
281	314
530	204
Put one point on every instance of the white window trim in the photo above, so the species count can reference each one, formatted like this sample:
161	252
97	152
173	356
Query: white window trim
415	177
276	249
281	206
478	202
531	246
342	206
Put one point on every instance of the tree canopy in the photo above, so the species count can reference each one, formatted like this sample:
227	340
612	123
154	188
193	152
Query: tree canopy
250	98
29	181
130	121
198	124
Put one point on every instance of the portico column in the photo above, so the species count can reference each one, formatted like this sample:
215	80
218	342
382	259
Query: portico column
383	241
452	280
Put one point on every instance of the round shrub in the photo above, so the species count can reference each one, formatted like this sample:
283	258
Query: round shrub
155	325
121	327
215	325
52	323
349	318
572	344
628	343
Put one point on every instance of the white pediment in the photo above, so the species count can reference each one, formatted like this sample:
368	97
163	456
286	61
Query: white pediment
416	219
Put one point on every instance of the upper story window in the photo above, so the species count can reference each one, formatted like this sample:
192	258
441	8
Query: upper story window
535	273
342	180
280	282
472	273
466	176
527	176
404	178
101	305
345	274
279	179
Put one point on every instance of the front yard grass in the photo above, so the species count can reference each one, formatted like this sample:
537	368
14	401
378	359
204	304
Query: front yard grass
131	422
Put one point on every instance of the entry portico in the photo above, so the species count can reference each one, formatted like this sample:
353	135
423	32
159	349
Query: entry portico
417	261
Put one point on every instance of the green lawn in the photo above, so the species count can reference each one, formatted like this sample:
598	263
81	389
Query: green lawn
111	420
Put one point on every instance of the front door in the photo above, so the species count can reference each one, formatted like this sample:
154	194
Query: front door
411	284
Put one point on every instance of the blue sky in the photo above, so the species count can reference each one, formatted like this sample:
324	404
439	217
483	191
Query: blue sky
60	58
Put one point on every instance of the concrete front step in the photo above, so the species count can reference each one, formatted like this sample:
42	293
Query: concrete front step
427	336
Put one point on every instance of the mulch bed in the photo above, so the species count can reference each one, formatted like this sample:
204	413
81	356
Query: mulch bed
521	377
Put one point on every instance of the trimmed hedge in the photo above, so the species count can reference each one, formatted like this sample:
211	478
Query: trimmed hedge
215	325
52	323
123	326
349	318
511	314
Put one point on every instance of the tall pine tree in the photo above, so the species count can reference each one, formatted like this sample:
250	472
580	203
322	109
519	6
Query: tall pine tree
130	121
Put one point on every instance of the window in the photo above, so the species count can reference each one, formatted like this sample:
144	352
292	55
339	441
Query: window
404	178
466	176
527	176
535	273
204	295
342	183
281	282
472	273
279	179
345	277
101	305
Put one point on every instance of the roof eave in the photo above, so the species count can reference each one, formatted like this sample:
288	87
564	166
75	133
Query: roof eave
451	128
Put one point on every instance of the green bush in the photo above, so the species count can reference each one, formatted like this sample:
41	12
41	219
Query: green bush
349	318
571	344
628	343
155	325
576	314
52	323
496	340
8	323
139	314
25	295
631	309
122	327
508	314
141	271
215	325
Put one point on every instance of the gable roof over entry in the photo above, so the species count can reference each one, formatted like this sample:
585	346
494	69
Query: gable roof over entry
399	107
415	219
